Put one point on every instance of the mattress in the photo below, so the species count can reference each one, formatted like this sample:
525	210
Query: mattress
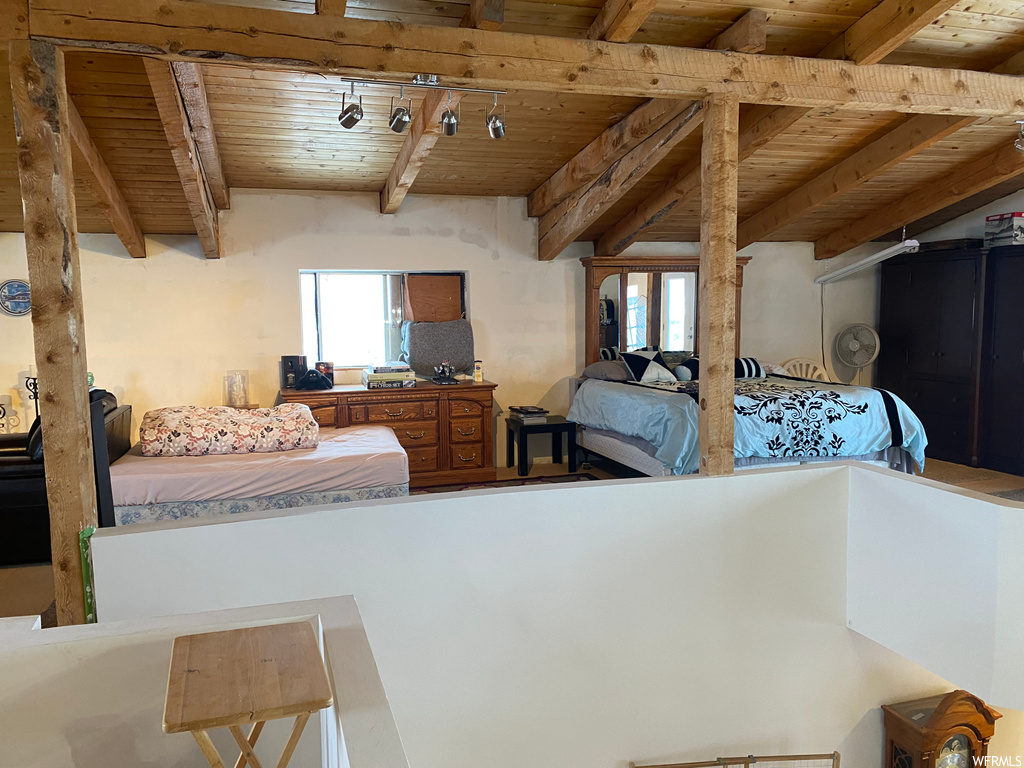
350	458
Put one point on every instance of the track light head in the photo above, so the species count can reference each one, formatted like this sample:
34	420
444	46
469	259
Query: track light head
495	122
400	116
351	114
449	120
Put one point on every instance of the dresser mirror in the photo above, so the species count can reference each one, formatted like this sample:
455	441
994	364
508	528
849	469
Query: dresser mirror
644	302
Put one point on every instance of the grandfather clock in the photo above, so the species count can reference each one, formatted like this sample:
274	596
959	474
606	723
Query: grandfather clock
945	731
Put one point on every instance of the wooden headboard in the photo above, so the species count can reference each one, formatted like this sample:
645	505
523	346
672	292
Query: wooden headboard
116	427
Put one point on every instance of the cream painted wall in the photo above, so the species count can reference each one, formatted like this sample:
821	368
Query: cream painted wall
162	331
973	224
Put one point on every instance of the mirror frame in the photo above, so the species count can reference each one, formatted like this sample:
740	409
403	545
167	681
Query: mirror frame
597	268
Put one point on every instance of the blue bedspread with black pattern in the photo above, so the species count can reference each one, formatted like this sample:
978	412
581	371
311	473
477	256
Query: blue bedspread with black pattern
776	417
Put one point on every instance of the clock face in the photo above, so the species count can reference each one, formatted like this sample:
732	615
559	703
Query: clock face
955	753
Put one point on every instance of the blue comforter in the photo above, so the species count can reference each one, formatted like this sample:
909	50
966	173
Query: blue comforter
777	417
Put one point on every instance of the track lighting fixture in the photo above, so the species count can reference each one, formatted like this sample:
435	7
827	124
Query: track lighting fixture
353	113
496	122
400	116
449	120
1018	143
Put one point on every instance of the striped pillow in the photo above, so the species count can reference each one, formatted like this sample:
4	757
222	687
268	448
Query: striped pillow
746	368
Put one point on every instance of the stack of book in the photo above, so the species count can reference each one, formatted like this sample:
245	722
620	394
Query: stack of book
528	414
389	376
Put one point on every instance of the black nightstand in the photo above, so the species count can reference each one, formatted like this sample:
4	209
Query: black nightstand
554	425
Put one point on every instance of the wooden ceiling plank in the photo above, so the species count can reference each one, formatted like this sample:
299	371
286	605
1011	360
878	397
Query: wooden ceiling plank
884	29
197	31
97	177
563	224
891	17
609	146
197	109
619	20
909	138
184	151
748	35
13	20
963	181
485	14
423	134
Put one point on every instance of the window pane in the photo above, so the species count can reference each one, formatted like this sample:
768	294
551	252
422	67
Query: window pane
680	311
354	318
310	339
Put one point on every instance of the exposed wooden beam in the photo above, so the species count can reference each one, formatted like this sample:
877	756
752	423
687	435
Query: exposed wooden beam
619	20
912	136
58	328
96	176
961	182
485	14
330	7
748	35
759	125
197	31
197	109
885	28
717	294
609	146
765	122
185	154
564	223
423	135
13	20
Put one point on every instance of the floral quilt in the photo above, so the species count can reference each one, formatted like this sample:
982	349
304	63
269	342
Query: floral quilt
195	431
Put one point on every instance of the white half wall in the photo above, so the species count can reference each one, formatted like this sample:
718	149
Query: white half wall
972	225
657	619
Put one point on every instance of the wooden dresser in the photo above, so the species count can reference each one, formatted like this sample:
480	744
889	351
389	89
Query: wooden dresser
448	431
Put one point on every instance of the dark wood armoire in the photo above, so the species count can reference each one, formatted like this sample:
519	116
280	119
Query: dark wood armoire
952	330
930	323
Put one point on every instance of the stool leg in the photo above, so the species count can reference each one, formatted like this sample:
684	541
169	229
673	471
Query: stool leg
209	751
293	740
572	449
509	446
556	447
245	746
254	734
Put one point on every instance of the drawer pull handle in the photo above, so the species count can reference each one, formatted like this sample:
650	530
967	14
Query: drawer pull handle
463	458
316	418
411	436
466	434
423	458
389	413
430	411
465	409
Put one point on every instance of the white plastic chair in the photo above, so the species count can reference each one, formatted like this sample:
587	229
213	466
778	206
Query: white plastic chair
805	368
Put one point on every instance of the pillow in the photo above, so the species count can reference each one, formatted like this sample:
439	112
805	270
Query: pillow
682	373
607	370
194	431
647	366
746	368
771	369
609	353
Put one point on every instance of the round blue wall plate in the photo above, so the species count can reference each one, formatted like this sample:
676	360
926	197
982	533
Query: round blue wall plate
14	298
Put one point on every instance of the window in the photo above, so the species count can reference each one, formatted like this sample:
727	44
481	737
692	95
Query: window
352	319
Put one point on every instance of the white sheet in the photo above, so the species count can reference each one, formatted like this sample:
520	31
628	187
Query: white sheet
355	457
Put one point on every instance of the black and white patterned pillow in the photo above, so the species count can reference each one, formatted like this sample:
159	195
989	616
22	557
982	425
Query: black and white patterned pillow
746	368
609	353
647	366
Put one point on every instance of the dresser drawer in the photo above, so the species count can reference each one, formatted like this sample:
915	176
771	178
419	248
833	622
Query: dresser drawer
467	456
422	459
459	407
413	409
325	415
416	433
466	430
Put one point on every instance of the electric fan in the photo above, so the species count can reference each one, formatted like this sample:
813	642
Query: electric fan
856	346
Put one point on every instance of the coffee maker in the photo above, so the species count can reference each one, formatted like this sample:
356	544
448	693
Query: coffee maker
293	368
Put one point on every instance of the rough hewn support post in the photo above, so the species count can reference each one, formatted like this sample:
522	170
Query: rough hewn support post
51	239
717	297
